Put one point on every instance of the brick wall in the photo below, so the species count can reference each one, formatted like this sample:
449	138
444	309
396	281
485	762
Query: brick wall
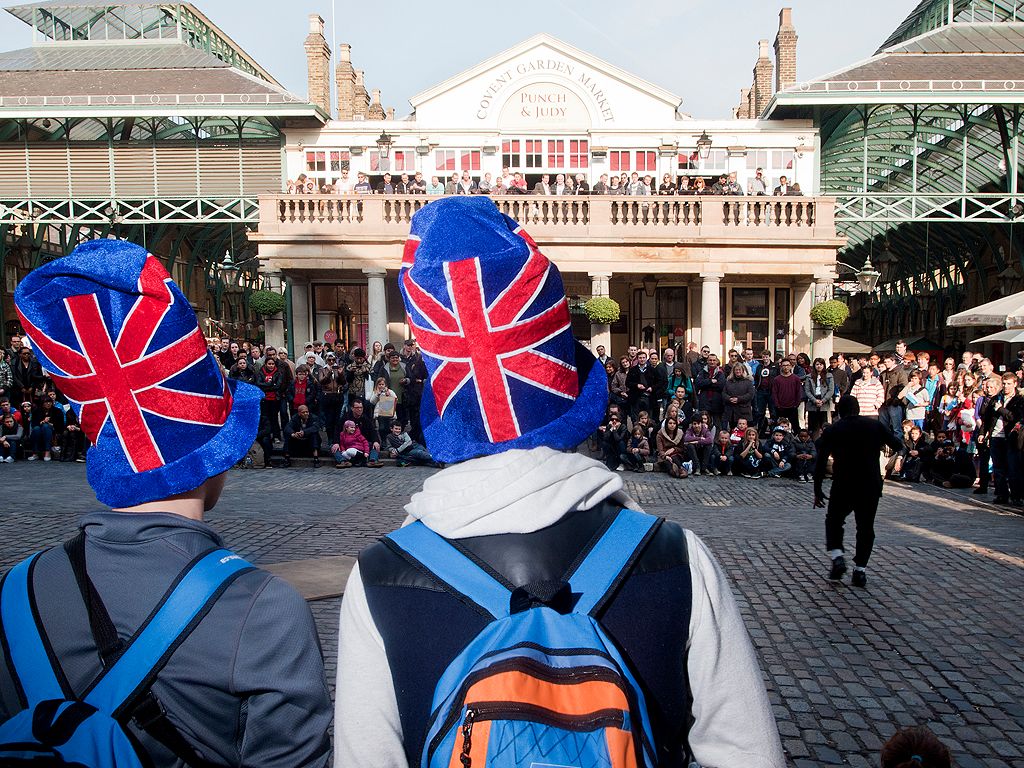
345	80
785	51
318	64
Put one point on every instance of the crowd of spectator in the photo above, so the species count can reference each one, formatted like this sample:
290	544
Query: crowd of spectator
511	182
684	410
307	404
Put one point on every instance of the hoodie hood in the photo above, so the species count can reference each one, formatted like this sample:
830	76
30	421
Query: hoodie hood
517	491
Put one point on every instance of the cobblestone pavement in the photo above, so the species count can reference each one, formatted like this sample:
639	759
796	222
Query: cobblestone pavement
934	639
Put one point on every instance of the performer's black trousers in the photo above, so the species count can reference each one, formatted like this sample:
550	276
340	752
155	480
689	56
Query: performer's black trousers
840	505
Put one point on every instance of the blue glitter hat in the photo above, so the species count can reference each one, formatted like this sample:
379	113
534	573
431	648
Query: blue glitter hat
489	312
123	344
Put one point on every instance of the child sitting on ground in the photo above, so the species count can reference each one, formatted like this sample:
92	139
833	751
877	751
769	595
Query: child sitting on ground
351	448
737	434
778	456
805	454
405	450
722	452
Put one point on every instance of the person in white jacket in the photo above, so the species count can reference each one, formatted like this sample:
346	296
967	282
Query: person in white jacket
528	508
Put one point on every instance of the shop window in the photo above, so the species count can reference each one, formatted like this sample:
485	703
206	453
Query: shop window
400	161
667	328
750	317
781	321
556	153
324	166
619	160
533	153
510	149
646	161
346	306
579	153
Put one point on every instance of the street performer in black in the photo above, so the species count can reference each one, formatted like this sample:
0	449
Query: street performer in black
854	443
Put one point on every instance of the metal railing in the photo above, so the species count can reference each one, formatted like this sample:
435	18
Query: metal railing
988	207
149	100
902	86
147	210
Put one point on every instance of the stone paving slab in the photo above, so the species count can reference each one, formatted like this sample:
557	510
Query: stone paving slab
935	638
317	578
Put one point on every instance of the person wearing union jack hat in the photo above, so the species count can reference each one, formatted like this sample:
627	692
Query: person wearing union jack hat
509	395
245	684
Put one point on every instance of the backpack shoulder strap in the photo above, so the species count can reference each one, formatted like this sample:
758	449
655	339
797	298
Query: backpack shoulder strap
609	561
185	604
22	634
451	567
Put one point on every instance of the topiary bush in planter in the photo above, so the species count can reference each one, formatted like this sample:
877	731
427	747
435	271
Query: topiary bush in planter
830	314
266	302
602	310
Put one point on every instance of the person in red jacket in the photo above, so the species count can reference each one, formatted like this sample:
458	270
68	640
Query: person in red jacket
787	392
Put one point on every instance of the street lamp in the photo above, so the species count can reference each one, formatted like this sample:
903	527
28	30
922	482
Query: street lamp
867	277
384	142
704	145
228	272
650	284
1009	280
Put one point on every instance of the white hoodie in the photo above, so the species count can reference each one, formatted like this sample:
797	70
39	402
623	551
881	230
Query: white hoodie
521	492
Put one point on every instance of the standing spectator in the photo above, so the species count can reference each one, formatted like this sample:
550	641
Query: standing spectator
543	187
984	415
738	396
357	373
787	392
11	434
640	378
819	392
269	380
384	402
1003	425
618	385
868	392
243	371
415	375
393	372
709	385
915	399
6	379
757	185
763	391
418	185
601	187
333	388
26	374
303	433
659	385
840	377
435	187
804	455
894	379
697	442
361	417
304	390
230	355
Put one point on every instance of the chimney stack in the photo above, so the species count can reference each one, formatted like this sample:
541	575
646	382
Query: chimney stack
743	110
762	78
318	64
785	51
376	111
391	113
345	77
362	100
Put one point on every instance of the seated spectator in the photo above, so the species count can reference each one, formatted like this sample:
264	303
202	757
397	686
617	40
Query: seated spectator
697	441
805	455
72	440
913	458
778	456
669	442
406	451
302	434
637	450
643	420
384	402
11	434
351	448
615	438
748	457
358	414
722	454
7	410
950	465
915	747
736	437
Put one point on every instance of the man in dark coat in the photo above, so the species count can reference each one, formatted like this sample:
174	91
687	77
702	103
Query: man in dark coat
854	443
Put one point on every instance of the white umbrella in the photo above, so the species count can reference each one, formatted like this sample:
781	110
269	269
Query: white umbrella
1007	312
1012	336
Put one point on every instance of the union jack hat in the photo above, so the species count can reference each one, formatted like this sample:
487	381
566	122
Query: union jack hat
122	343
489	312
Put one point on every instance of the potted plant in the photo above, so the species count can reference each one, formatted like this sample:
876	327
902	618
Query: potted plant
830	314
266	303
602	310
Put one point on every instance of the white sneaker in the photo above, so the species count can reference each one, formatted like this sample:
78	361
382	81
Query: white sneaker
620	468
46	458
32	457
9	459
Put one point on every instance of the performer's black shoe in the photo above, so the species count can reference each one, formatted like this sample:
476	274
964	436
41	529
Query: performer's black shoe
859	578
838	569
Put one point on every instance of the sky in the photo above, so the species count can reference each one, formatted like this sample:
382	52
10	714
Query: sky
702	50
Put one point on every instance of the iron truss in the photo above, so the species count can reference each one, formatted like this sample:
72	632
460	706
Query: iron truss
127	211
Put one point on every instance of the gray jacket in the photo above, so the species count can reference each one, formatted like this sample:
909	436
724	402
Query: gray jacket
247	687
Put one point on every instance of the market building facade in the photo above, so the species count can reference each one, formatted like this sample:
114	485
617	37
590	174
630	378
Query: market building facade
722	271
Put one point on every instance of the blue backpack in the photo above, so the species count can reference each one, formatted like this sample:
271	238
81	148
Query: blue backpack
542	684
60	728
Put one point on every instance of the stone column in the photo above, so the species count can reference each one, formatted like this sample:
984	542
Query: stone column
710	311
600	333
376	305
273	326
301	331
803	300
